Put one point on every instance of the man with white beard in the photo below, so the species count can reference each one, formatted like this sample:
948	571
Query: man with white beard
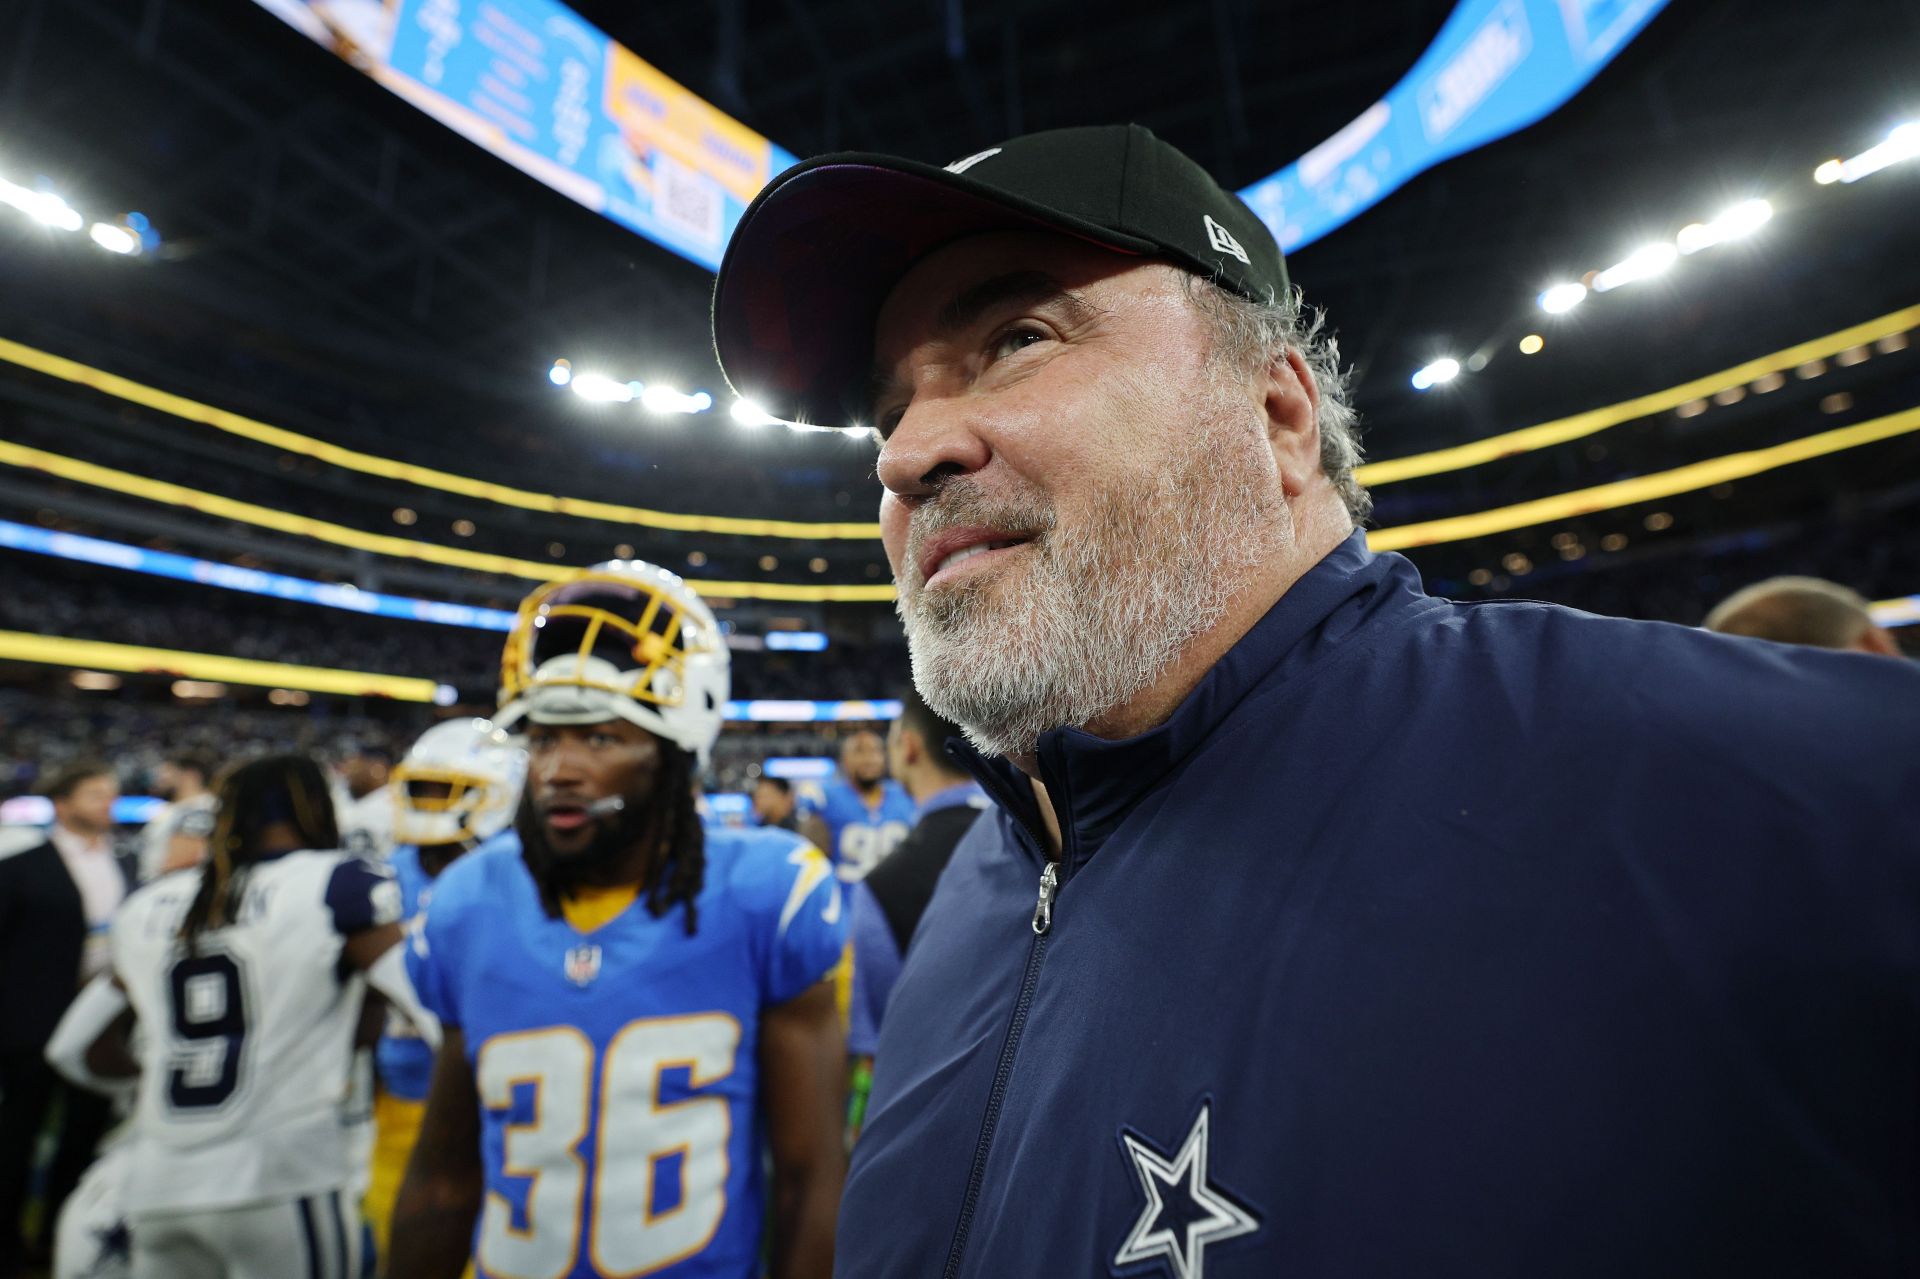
1326	928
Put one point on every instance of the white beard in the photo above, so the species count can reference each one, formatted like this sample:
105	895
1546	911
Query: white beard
1089	616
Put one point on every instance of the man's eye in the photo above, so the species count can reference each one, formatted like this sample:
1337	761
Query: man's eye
1017	338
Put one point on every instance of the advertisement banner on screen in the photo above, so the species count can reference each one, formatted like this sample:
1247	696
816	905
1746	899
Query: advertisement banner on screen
553	95
1496	67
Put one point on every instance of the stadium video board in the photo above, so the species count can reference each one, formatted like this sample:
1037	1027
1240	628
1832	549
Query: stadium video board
1496	67
539	86
553	95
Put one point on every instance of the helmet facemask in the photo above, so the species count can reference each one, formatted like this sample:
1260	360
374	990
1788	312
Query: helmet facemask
625	640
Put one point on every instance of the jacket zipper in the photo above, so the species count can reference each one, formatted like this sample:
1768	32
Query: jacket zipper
1036	952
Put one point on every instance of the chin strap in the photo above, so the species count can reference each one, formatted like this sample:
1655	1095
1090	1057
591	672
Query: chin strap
87	1018
388	975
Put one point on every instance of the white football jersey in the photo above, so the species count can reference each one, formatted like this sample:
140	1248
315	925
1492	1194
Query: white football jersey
247	1044
188	817
366	824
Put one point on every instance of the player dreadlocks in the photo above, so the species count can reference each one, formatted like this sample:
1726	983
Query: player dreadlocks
277	790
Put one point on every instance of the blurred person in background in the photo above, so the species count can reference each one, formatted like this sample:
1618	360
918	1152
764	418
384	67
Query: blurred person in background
774	804
246	980
364	768
362	799
176	837
59	890
1803	610
885	907
456	788
864	813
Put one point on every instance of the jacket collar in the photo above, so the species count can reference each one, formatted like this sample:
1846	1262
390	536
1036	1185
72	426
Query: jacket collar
1094	783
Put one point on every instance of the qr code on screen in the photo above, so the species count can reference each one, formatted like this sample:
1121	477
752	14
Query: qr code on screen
687	203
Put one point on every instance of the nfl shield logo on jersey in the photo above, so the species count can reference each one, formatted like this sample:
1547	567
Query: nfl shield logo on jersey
583	964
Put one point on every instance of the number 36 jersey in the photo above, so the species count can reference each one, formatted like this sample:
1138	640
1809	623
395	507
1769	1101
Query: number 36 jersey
617	1067
246	1044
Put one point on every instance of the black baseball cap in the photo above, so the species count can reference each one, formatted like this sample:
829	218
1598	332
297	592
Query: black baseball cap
819	249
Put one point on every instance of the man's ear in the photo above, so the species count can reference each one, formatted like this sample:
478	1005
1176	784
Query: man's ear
913	747
1291	400
1878	639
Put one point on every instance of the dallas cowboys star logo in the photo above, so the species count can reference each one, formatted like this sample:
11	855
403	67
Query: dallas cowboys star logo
115	1243
1183	1213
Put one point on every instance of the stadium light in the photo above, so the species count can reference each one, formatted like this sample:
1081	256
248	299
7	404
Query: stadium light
1440	371
747	413
198	689
1741	220
665	399
127	237
1903	143
114	239
43	207
1562	298
601	389
1642	264
561	373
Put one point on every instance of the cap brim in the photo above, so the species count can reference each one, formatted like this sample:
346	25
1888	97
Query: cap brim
815	256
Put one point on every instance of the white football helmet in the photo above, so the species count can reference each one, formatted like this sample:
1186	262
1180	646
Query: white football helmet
624	639
458	785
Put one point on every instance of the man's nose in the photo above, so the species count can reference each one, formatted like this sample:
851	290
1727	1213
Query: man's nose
559	765
938	436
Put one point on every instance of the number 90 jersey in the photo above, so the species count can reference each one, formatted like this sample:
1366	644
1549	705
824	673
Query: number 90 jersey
861	836
247	1044
617	1069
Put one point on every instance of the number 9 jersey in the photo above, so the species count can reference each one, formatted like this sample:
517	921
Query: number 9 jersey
247	1044
617	1067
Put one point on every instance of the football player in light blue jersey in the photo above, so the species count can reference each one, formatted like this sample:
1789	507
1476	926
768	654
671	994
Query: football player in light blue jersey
864	813
637	1011
457	787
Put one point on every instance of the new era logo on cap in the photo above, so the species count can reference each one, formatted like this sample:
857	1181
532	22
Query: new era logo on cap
1222	240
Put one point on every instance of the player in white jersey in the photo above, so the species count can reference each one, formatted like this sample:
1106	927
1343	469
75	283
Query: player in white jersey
364	800
176	837
91	1240
247	979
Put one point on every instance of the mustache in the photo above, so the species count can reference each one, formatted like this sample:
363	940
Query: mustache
960	501
615	830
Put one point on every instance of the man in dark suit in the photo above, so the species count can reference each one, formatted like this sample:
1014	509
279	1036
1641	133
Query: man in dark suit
886	905
58	891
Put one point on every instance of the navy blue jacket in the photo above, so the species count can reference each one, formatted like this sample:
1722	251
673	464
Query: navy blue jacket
1427	939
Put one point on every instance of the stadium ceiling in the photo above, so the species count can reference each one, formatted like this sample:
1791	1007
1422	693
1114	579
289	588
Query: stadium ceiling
306	205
